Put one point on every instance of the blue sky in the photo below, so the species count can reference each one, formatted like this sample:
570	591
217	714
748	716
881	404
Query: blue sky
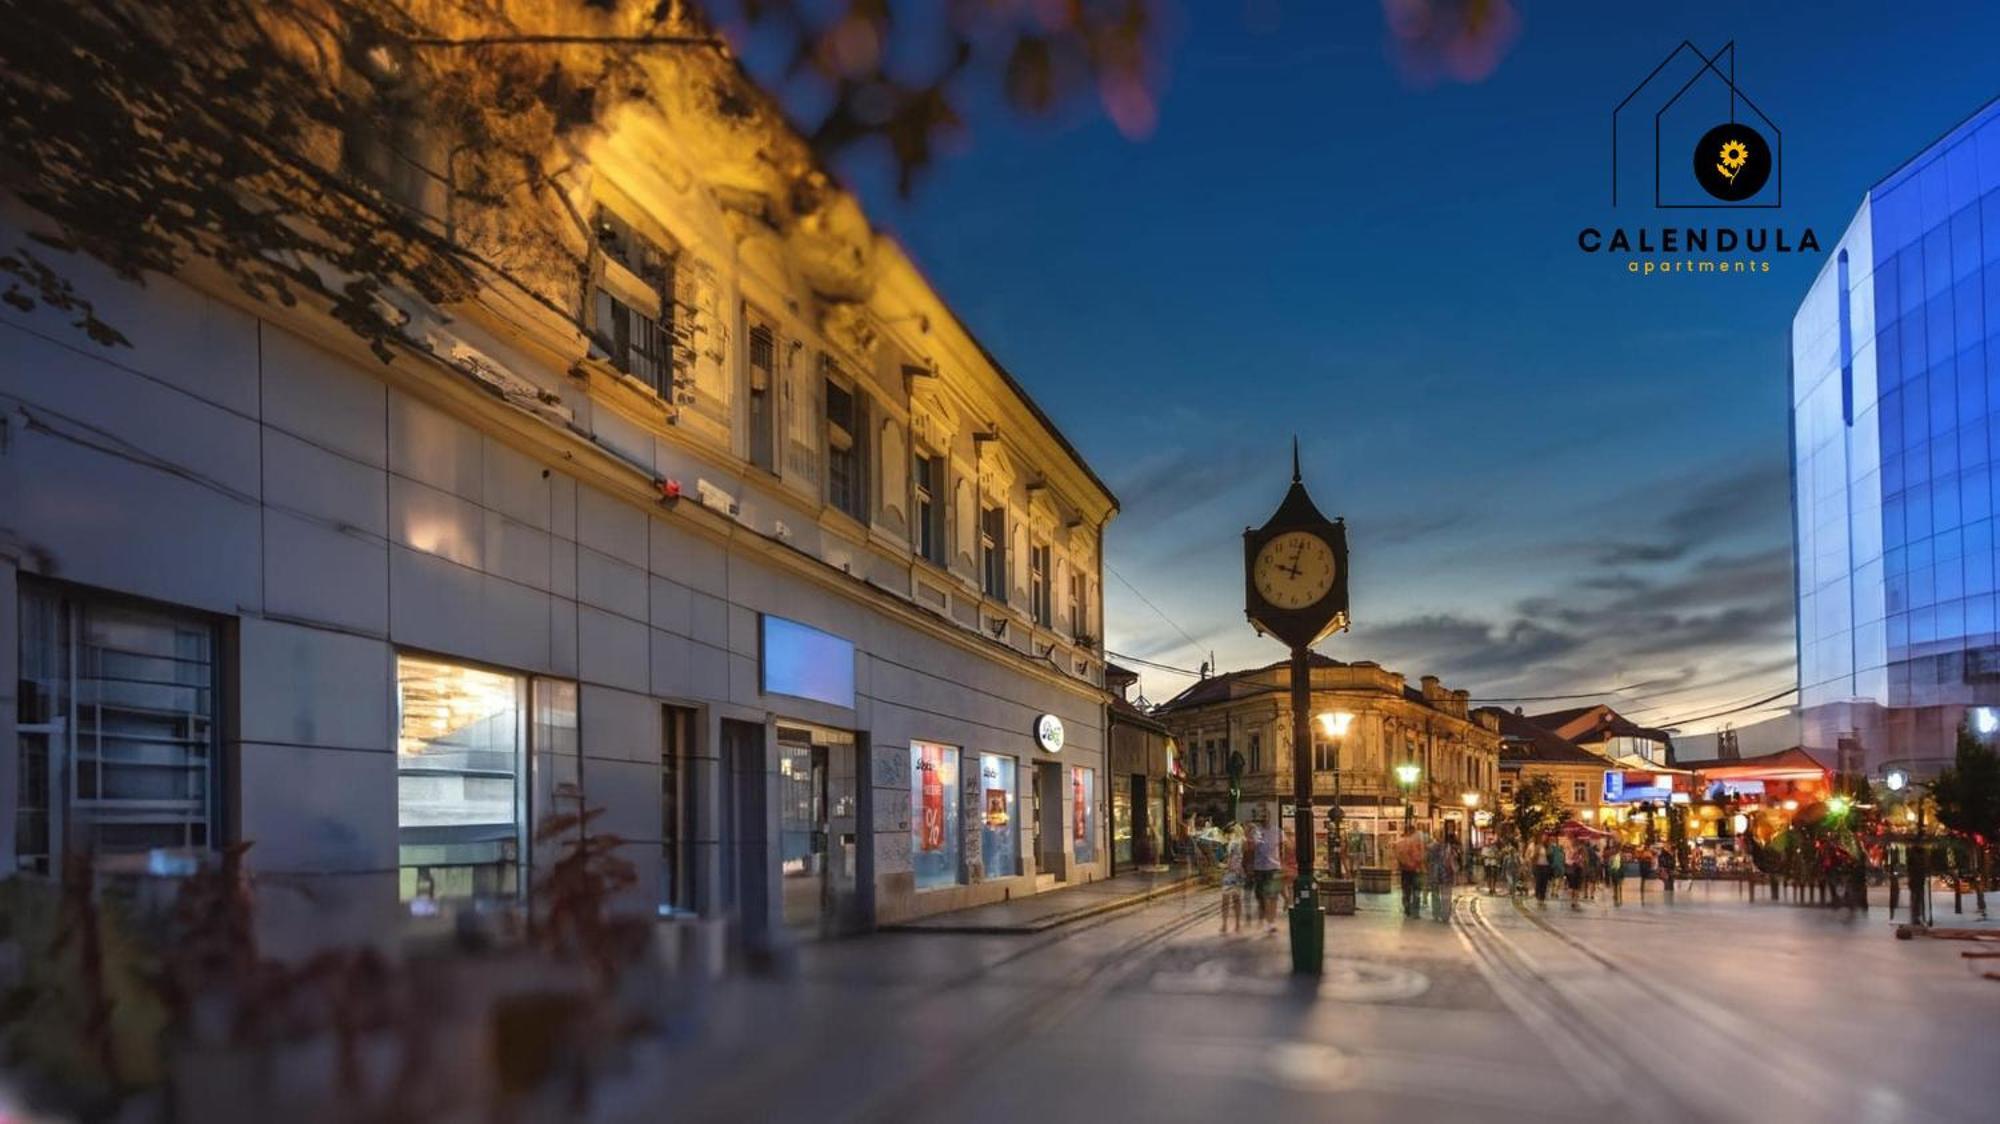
1558	478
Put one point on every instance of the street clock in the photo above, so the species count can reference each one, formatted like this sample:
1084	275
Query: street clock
1295	570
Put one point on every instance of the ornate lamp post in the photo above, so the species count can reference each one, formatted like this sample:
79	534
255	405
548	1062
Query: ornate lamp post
1406	775
1295	590
1335	723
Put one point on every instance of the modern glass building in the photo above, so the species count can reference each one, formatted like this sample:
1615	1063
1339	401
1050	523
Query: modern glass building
1896	444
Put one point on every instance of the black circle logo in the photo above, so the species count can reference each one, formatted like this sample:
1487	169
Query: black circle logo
1731	162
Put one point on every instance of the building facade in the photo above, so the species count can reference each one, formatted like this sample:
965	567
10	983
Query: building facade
1530	750
1146	785
1895	384
739	537
1248	712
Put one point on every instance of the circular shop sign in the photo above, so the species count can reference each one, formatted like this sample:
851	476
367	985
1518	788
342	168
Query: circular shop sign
1049	732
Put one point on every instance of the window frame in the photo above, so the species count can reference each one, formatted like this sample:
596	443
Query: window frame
854	480
755	322
638	344
1041	609
993	551
927	506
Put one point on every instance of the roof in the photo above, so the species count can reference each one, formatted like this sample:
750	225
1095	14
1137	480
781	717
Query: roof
1125	713
1218	688
1793	760
1604	722
1524	740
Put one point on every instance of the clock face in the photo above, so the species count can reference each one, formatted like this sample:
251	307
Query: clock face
1294	570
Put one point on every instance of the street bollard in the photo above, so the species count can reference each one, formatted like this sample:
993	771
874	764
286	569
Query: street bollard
1308	929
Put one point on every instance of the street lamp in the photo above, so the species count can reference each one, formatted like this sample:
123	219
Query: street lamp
1471	801
1406	775
1898	780
1335	723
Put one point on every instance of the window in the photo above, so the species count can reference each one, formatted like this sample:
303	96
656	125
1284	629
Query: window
934	830
1083	813
1325	760
1038	584
846	450
1079	603
1212	770
993	552
1507	786
461	809
1579	792
117	731
1256	753
679	806
634	304
928	477
999	828
763	364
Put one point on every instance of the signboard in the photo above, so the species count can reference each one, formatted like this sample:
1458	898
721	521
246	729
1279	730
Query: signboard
1049	733
1625	786
800	660
1735	788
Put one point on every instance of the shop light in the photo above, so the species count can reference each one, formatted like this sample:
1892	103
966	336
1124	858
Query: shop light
1791	805
1896	779
1837	805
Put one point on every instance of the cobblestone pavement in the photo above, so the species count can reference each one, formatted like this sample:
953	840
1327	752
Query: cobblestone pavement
1707	1007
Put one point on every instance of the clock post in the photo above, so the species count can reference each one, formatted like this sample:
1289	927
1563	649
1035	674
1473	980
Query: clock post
1295	590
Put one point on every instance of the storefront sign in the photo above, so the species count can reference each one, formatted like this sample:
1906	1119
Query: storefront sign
800	660
1049	733
1623	786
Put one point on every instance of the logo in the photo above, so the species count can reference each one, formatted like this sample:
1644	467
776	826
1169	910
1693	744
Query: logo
1698	107
1049	733
1732	162
1694	132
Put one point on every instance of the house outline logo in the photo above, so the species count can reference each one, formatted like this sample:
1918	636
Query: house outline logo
1735	183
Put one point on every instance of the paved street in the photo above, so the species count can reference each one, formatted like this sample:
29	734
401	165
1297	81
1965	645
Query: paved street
1506	1013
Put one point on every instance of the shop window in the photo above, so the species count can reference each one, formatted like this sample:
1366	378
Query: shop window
1083	813
117	732
763	415
928	477
847	449
934	827
999	830
993	552
461	807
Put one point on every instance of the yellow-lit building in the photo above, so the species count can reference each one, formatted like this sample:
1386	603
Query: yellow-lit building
1529	750
1455	751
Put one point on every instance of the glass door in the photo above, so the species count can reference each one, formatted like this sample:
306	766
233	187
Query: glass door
801	826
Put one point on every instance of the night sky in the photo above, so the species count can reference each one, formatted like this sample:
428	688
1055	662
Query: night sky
1558	478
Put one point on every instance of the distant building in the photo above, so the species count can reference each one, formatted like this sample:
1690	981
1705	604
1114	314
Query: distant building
1249	713
1895	389
1607	733
1529	749
1145	793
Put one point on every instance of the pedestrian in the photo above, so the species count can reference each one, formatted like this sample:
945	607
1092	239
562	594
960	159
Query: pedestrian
1573	865
1544	870
1645	857
1510	867
1265	863
1489	865
1614	872
1666	863
1232	877
1441	872
1593	870
1409	853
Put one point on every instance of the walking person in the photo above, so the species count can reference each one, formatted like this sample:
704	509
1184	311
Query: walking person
1265	863
1409	853
1232	877
1614	872
1543	870
1441	871
1573	867
1510	867
1489	865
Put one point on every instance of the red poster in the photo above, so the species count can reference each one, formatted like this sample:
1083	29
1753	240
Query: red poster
931	837
1076	794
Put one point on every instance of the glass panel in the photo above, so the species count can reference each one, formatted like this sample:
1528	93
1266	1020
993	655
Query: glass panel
1083	814
934	825
999	832
460	811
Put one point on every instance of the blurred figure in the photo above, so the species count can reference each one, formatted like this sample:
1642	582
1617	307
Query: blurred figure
1510	866
1409	853
1266	862
1573	865
1614	872
1441	862
1232	877
1544	867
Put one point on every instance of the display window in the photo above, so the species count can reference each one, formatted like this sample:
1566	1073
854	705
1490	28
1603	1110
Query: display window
1083	813
935	841
1000	825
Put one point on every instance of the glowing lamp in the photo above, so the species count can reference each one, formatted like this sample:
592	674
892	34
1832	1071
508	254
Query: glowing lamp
1897	780
1335	722
1471	799
1408	772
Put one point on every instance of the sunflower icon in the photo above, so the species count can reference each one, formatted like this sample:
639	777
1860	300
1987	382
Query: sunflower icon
1734	155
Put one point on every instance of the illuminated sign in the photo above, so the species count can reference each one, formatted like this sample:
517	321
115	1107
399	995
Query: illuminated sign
1049	733
1622	786
802	661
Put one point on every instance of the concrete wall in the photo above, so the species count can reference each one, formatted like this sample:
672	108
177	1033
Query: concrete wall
225	465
